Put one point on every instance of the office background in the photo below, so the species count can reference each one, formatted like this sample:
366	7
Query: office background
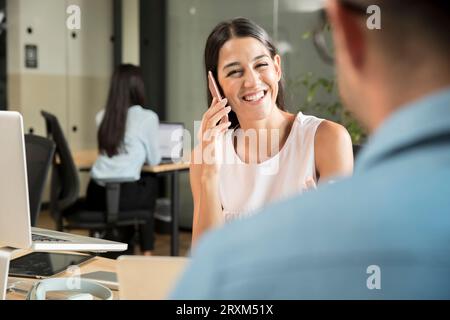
166	38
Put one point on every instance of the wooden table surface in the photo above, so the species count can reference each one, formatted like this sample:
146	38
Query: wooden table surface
84	160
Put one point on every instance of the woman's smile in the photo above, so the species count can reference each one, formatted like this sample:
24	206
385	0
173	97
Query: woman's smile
255	97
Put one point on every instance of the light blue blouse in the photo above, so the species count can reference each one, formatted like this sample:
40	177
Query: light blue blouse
141	145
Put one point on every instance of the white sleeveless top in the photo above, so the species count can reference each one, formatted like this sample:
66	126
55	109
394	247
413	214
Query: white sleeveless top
244	188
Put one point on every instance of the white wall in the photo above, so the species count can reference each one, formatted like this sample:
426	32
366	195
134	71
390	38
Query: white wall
28	89
73	74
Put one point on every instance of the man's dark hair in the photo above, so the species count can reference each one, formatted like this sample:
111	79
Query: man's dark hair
424	23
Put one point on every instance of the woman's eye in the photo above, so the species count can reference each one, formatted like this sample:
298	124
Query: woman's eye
234	73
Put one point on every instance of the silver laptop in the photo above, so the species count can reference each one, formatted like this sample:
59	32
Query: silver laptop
171	141
15	226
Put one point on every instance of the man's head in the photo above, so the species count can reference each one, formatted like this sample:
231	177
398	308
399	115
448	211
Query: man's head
379	70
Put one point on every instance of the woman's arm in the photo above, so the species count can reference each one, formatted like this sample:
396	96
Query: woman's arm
333	151
204	170
205	193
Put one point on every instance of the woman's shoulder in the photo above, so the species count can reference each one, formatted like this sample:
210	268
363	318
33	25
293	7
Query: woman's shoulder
305	125
333	150
331	137
331	131
142	114
306	119
326	133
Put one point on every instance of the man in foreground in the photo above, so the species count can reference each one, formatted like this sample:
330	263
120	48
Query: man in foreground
385	232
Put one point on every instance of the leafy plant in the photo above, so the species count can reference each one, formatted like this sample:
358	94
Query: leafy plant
329	107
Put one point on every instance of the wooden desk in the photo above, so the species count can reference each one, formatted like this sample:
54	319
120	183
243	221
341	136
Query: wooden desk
85	159
95	264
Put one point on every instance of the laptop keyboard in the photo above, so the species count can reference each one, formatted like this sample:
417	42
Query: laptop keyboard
40	238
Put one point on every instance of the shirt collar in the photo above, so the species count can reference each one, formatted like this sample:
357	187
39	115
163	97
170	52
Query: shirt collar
425	117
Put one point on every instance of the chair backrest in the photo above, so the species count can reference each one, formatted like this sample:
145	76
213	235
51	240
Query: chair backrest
39	155
65	185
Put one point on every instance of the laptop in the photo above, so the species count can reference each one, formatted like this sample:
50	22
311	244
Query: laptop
171	142
148	278
15	226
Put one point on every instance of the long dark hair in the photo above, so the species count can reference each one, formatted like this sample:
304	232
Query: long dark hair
126	90
236	28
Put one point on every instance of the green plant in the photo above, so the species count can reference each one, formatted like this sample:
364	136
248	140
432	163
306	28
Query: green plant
329	106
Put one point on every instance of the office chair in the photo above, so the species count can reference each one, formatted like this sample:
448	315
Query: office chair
39	155
68	211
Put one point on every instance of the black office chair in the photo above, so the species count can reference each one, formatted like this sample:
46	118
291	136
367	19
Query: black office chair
39	154
69	211
65	183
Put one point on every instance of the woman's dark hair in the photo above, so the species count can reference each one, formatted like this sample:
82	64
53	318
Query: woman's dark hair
126	90
236	28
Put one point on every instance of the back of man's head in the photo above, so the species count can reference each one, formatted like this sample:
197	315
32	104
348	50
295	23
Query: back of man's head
413	24
403	58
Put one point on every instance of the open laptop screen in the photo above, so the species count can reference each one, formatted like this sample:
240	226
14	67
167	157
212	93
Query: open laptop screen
15	226
171	140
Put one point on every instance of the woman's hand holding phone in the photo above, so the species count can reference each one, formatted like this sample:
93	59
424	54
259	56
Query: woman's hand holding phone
214	89
214	123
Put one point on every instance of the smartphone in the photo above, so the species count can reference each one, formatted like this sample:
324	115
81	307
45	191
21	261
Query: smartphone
214	89
213	86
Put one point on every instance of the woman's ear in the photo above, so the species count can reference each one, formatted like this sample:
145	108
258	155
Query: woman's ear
277	64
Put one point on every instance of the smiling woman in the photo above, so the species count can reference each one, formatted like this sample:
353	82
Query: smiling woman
240	32
250	78
252	151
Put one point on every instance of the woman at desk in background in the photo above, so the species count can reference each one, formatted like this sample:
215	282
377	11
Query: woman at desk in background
127	139
289	154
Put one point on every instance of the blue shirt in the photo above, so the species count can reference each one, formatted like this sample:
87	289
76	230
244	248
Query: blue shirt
382	234
141	145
